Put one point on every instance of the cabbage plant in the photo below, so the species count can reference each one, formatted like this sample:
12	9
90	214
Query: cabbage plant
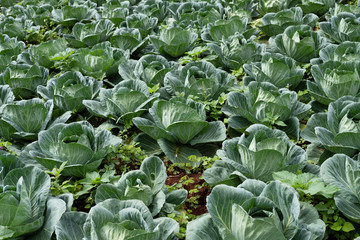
174	41
268	6
337	130
90	34
276	23
128	39
237	50
224	29
340	8
17	27
69	15
149	68
144	23
126	219
10	46
319	7
264	103
39	14
255	155
342	172
154	8
115	11
180	128
25	119
27	210
128	99
69	90
334	80
46	53
298	42
196	13
343	27
99	62
200	80
76	143
344	52
24	79
276	69
256	210
146	184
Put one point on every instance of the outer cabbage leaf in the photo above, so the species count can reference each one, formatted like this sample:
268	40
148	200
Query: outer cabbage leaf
344	52
128	39
267	6
46	53
344	173
26	207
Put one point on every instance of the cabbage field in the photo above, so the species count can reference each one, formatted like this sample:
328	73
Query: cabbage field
180	119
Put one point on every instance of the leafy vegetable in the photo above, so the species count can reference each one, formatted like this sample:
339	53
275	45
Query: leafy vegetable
99	61
69	15
147	185
198	79
263	103
69	90
126	100
90	34
343	27
276	23
26	206
334	80
174	41
25	119
253	210
75	143
126	219
276	69
337	130
180	128
255	156
236	51
24	79
298	42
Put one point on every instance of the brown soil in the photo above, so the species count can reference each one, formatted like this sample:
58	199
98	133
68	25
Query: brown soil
203	192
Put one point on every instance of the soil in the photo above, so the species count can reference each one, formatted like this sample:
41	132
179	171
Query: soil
203	192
